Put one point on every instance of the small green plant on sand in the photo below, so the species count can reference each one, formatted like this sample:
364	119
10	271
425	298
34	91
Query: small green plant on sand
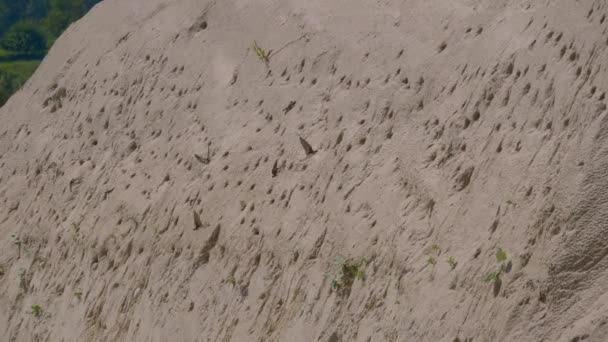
36	310
16	240
501	259
431	261
436	249
263	55
452	262
347	272
231	280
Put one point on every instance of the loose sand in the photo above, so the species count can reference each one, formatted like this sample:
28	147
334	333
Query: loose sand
153	185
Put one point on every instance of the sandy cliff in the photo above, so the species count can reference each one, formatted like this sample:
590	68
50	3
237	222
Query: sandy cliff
154	187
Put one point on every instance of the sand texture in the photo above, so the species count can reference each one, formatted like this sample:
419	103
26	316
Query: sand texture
164	178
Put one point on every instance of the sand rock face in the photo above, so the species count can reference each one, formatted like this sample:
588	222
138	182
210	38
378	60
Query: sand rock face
279	170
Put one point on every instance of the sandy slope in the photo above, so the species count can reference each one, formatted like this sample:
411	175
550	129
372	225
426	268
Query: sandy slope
152	174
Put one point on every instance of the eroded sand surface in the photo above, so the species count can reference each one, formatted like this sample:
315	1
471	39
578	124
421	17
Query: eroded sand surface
153	177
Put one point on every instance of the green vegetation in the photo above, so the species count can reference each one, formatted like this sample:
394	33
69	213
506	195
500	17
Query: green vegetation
263	55
452	262
18	69
61	13
16	239
25	38
501	258
13	75
436	249
347	272
36	310
27	29
232	280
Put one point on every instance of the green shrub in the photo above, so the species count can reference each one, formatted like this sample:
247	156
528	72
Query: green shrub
501	259
24	38
36	310
262	54
347	272
452	262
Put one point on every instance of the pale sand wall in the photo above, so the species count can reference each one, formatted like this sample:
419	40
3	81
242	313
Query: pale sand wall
442	129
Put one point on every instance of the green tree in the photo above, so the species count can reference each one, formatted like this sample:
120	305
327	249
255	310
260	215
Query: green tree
28	27
12	11
61	14
24	38
7	86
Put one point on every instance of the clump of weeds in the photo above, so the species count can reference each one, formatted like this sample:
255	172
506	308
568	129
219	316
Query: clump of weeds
346	273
